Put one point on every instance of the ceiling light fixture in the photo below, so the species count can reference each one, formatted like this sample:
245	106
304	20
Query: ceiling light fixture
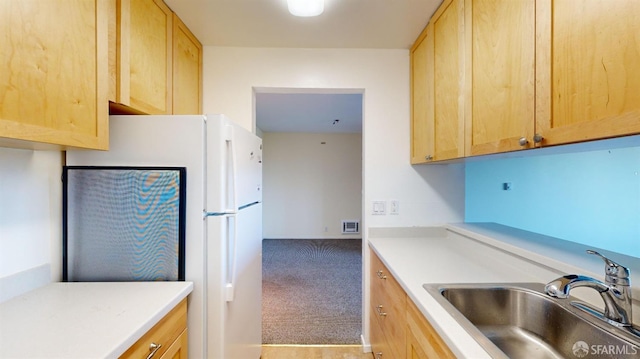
305	8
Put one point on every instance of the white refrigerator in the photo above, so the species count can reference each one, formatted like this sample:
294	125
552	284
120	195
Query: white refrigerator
223	246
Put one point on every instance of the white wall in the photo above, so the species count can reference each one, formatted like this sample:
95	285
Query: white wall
30	220
428	195
310	183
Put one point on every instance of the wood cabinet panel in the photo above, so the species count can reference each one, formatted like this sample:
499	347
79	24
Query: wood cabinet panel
170	333
449	135
388	306
150	56
535	73
112	53
422	340
422	98
54	91
179	349
187	70
500	106
156	67
437	111
398	329
379	343
588	70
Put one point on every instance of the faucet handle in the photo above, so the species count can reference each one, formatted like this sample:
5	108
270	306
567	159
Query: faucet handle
614	273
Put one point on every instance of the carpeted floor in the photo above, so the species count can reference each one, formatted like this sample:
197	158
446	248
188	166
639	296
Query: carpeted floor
311	291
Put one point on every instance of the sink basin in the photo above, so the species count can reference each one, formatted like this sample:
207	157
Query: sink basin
520	321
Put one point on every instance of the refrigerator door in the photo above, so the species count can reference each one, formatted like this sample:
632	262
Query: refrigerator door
248	157
243	319
234	240
234	161
236	258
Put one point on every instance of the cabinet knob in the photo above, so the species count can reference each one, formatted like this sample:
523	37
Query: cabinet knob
379	355
523	141
428	157
380	312
537	138
381	275
153	348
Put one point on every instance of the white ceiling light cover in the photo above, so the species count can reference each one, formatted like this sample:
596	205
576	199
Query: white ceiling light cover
306	8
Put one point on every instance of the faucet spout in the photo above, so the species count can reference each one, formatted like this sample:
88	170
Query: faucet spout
615	291
560	287
616	306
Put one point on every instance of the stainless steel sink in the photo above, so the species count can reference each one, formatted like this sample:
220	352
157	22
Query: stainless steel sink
520	321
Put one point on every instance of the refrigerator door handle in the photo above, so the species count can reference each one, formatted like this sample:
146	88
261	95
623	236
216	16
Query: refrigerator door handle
233	197
232	170
232	247
218	214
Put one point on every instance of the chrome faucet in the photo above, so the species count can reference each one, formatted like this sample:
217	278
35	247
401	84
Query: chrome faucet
615	291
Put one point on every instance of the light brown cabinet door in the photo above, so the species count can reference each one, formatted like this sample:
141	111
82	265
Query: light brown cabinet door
437	112
187	70
53	73
144	69
179	349
388	301
379	345
588	69
449	119
166	339
500	75
422	99
423	341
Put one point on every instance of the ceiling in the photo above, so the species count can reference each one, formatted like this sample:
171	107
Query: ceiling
305	112
379	24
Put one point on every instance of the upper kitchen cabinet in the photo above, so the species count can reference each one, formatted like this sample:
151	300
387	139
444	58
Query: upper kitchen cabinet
422	115
143	31
437	107
187	70
588	69
500	75
53	75
534	73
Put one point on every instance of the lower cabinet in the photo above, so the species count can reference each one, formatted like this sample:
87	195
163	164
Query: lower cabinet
388	306
422	340
178	350
398	329
166	340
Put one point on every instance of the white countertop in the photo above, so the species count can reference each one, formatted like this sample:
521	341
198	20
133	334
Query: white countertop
84	320
478	253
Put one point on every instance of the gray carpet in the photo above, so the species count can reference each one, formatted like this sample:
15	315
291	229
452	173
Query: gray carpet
311	291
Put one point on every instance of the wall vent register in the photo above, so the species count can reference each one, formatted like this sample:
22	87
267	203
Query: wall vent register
350	226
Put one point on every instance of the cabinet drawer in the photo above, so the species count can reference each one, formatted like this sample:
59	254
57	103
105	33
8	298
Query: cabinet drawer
388	302
379	344
164	333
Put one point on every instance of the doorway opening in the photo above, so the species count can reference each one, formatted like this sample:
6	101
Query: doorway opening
312	202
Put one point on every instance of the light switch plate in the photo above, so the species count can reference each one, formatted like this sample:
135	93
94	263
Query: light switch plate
394	207
380	207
